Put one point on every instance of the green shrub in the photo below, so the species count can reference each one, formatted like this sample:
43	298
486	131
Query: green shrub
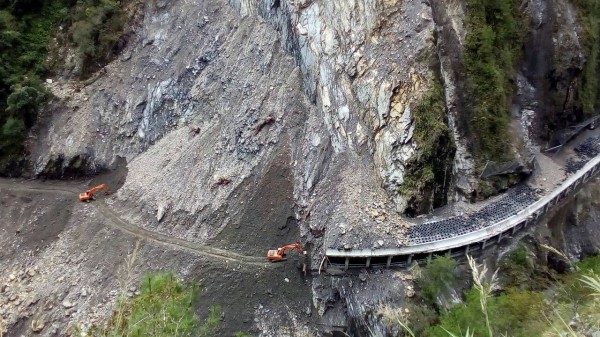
427	178
26	27
493	43
436	278
13	128
586	96
163	308
589	265
96	29
514	313
12	135
573	291
25	102
518	270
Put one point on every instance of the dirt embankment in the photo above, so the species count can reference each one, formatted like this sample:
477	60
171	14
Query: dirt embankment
267	219
62	260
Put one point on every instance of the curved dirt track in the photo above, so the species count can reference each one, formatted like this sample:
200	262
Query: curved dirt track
120	224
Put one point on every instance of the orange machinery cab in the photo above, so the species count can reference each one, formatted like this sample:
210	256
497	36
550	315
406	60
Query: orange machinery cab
275	255
84	196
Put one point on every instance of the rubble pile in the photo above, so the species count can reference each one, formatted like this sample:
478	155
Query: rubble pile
585	151
514	201
588	148
574	165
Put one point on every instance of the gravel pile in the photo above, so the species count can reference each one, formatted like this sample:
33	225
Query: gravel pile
574	165
587	150
514	201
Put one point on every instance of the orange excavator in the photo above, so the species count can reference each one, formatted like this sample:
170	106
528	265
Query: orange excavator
89	194
276	255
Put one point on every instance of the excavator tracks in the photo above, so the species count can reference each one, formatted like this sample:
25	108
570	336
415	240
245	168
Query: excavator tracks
116	222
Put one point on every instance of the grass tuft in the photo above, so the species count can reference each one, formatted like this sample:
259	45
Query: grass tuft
484	287
593	283
436	277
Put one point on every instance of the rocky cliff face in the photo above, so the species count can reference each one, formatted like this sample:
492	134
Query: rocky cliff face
574	227
361	70
553	59
260	113
363	65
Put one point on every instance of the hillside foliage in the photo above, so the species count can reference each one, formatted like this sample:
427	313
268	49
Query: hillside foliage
92	27
588	90
428	173
164	308
525	311
495	35
437	277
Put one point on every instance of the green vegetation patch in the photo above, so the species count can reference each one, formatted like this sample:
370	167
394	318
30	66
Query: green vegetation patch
493	43
519	270
522	311
514	313
163	308
24	35
428	174
96	31
94	28
437	277
586	96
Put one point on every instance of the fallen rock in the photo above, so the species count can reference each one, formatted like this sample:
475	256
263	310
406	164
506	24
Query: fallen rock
67	304
37	326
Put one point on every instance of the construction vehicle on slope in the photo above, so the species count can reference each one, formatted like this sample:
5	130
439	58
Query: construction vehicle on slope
276	255
89	194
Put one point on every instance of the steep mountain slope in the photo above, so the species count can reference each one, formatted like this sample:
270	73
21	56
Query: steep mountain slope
250	124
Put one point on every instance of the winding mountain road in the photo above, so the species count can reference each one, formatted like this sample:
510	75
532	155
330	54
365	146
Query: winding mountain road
114	221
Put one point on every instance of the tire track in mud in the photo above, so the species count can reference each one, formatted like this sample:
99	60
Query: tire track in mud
122	225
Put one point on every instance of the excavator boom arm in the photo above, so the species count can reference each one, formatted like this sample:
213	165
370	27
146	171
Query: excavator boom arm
89	194
93	190
285	248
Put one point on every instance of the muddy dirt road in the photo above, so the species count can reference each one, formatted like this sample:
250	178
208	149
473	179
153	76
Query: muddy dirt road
113	220
62	264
